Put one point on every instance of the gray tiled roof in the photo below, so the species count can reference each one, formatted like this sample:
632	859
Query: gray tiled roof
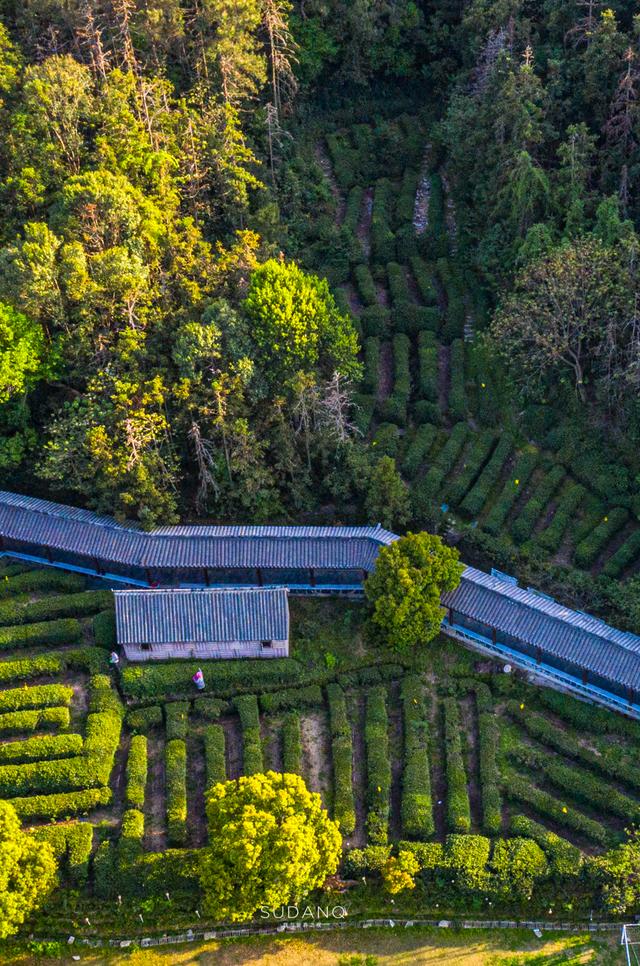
80	531
565	634
201	616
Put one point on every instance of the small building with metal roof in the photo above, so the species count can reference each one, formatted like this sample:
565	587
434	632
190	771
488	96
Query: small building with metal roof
190	623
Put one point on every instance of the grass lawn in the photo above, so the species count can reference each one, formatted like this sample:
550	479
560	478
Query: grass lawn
417	947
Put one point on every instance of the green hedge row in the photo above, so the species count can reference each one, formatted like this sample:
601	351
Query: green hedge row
223	678
353	209
571	499
476	455
104	629
430	488
50	608
129	849
209	708
457	391
417	451
416	807
142	720
428	366
37	696
625	555
341	759
398	285
609	762
214	754
66	631
453	285
292	744
423	274
71	844
579	784
344	158
40	581
586	717
252	759
535	507
40	748
62	805
458	808
383	243
589	549
176	791
309	697
39	719
31	667
488	739
518	479
436	234
519	789
365	285
406	197
376	736
371	364
136	775
375	320
176	715
479	493
565	859
364	405
394	408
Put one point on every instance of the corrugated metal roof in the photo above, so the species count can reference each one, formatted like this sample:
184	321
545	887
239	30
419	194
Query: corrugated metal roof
566	634
80	531
201	616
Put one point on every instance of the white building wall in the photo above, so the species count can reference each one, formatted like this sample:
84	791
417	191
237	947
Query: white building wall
206	651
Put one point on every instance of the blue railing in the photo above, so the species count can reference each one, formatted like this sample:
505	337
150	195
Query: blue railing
555	677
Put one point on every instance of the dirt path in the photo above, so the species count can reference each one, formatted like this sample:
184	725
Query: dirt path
444	377
155	836
395	751
385	372
564	555
324	161
196	784
233	745
359	765
414	291
423	193
382	295
469	722
271	734
353	298
450	214
612	547
363	231
316	753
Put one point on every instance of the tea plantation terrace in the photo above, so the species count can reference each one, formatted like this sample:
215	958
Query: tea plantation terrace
488	613
307	560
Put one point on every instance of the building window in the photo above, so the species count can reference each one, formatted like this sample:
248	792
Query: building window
267	645
145	647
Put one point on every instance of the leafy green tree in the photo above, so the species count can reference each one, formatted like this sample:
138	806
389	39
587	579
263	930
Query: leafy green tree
517	863
22	348
296	324
618	874
387	499
270	843
28	872
405	588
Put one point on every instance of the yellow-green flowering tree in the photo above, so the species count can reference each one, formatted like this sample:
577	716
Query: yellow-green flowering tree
28	872
270	843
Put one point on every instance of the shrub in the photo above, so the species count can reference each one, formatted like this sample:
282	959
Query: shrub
423	275
38	696
406	197
40	748
176	791
476	498
458	808
341	758
104	629
136	777
535	507
177	719
454	287
371	364
417	451
428	366
39	719
488	766
71	844
62	805
589	549
376	736
214	754
353	208
518	479
565	859
475	457
142	720
66	605
31	667
208	708
173	679
68	631
398	285
364	405
382	239
406	243
444	462
426	412
435	237
588	718
129	848
365	285
416	807
40	581
457	392
593	512
292	744
309	697
359	862
518	789
624	556
375	320
247	707
571	498
387	440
